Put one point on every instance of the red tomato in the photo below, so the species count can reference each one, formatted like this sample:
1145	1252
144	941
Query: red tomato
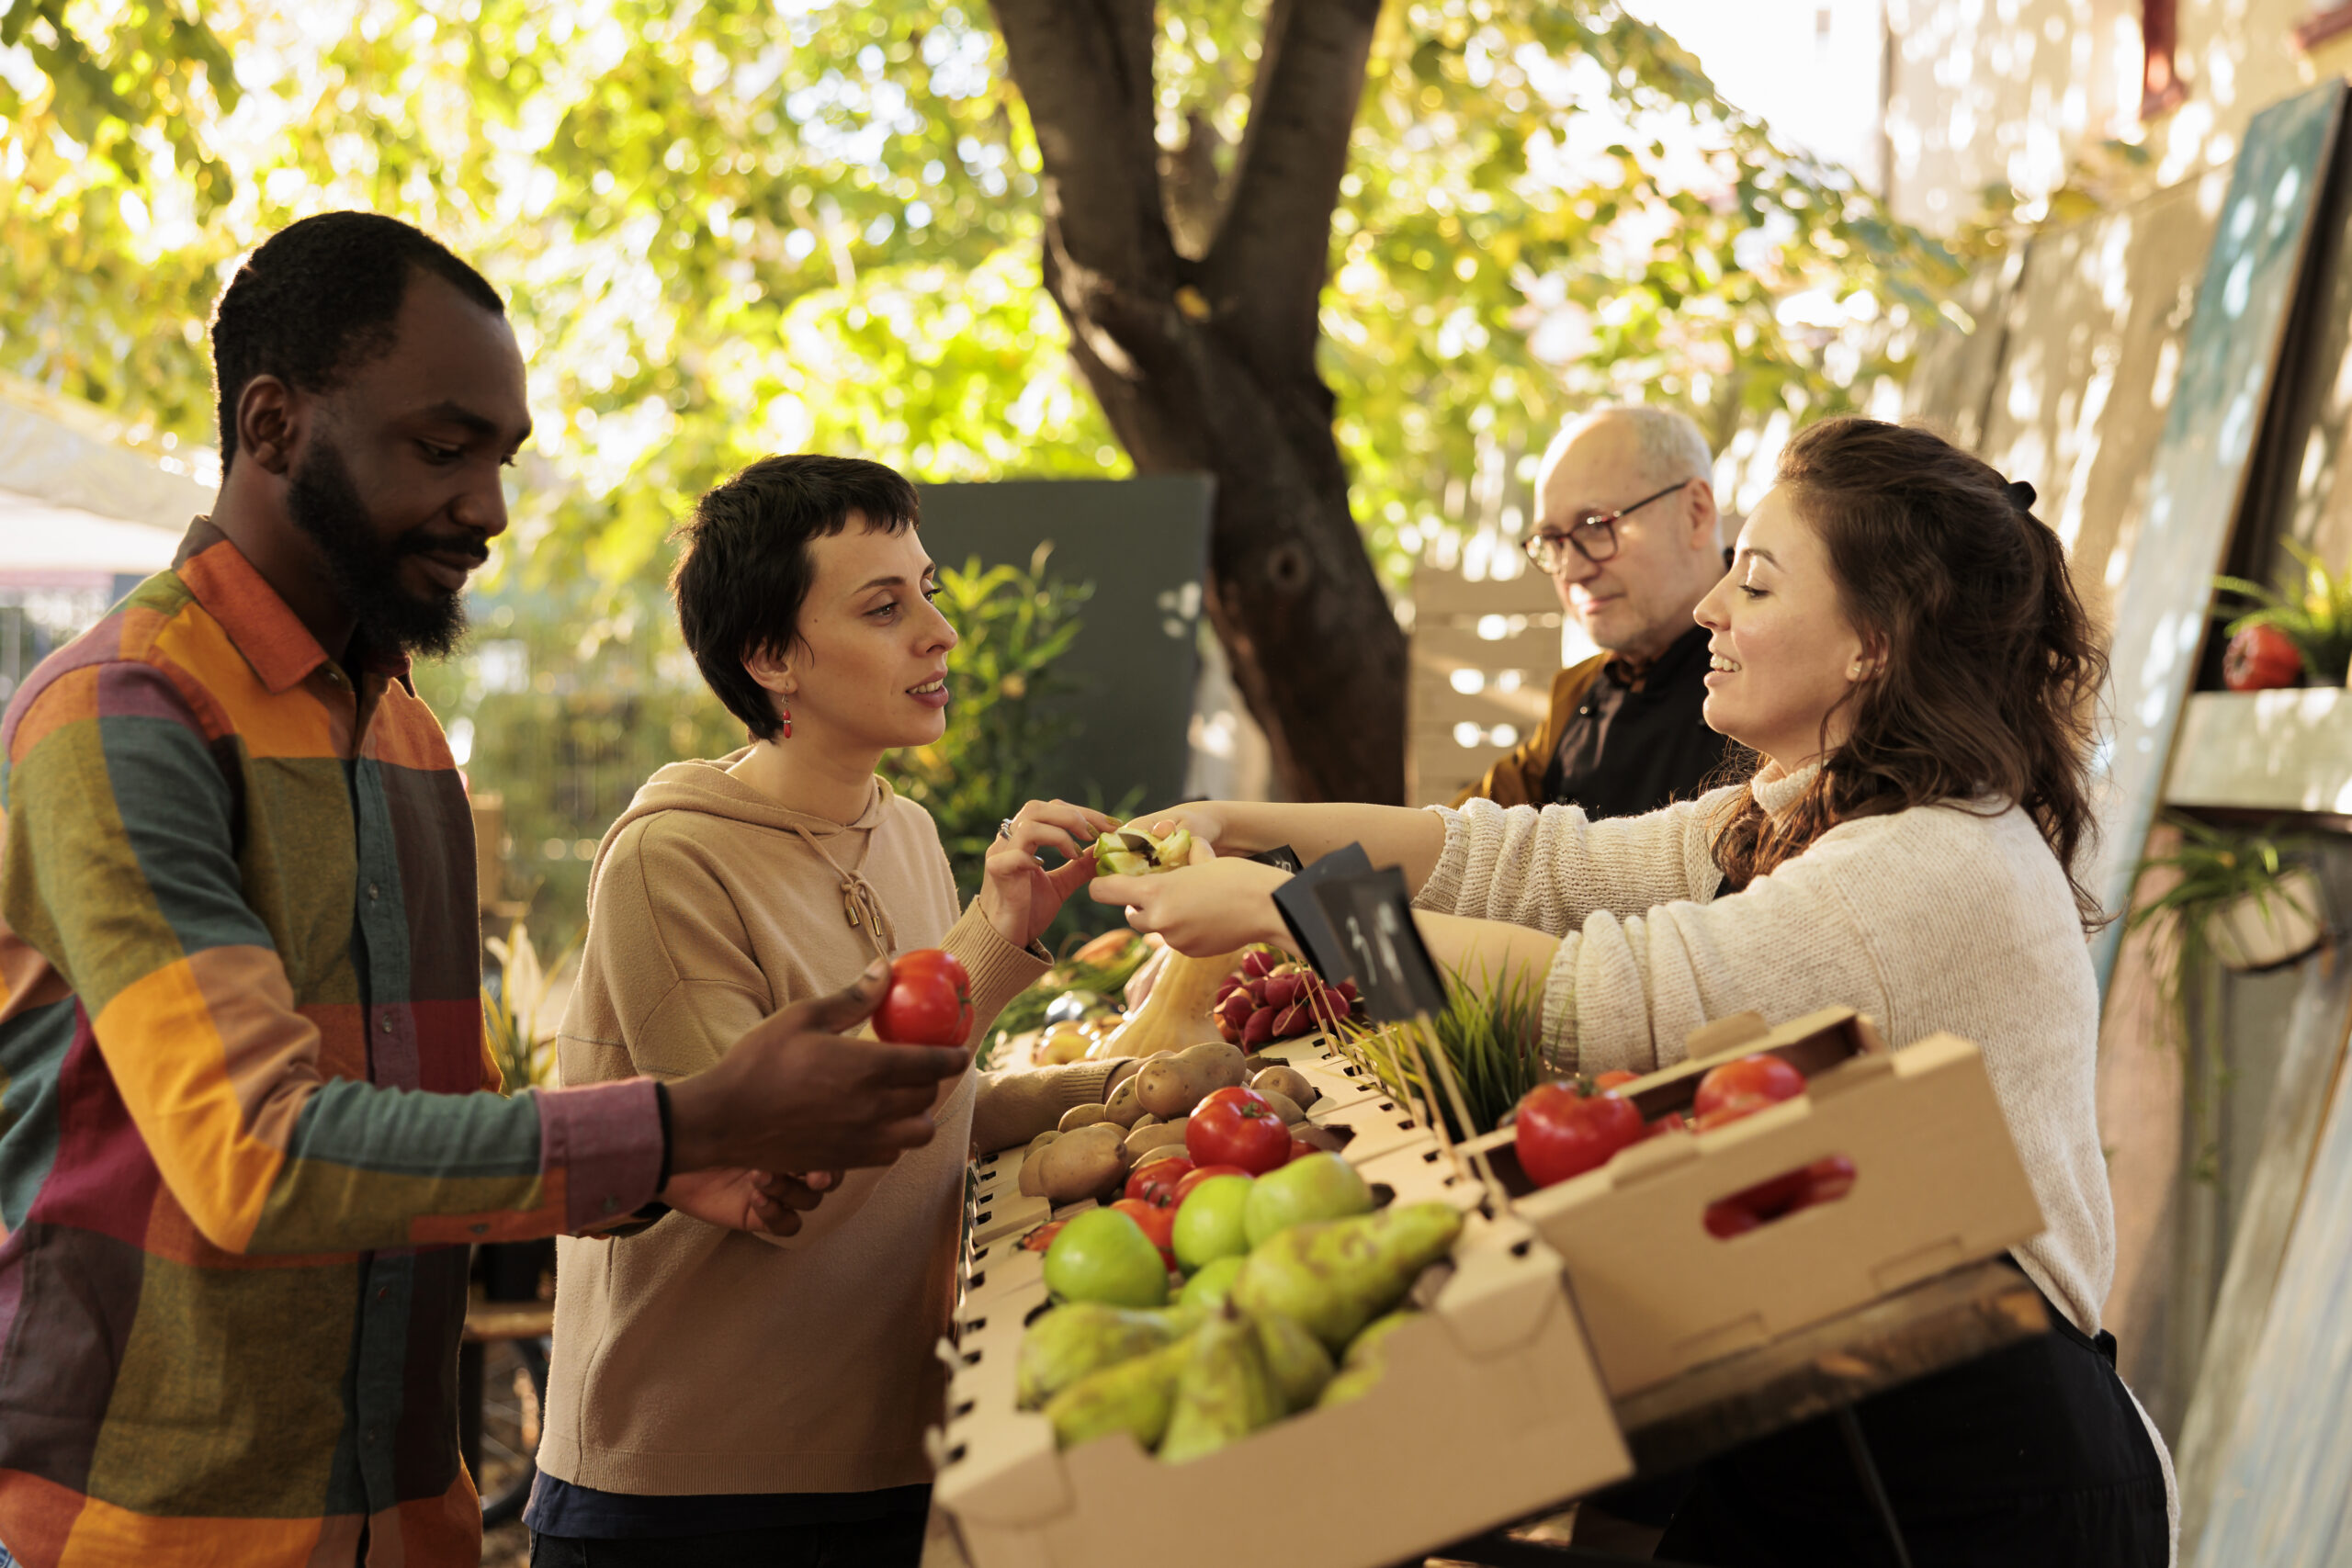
929	1002
2259	658
1298	1149
1826	1180
1749	1084
1672	1122
1563	1134
1616	1077
1236	1126
1158	1224
1155	1180
1823	1182
1043	1237
1194	1177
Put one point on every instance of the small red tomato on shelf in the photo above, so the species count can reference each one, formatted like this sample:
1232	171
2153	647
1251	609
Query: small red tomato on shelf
1616	1077
1199	1174
1823	1182
1155	1181
1561	1134
929	1001
2260	657
1749	1084
1238	1126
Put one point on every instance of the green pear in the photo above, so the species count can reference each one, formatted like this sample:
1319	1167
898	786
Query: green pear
1205	1292
1312	1187
1296	1358
1335	1275
1225	1393
1075	1341
1135	1397
1364	1364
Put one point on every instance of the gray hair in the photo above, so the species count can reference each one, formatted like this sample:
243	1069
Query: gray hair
1669	444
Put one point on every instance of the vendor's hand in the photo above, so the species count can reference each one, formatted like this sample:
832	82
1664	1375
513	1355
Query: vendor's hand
1201	909
1201	818
1021	897
764	1202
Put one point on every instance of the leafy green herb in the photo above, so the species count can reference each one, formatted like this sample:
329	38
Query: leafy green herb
1492	1036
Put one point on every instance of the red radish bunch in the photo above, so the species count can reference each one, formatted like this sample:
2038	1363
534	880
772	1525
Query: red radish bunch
1268	999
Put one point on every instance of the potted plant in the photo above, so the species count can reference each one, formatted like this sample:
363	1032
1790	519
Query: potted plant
1492	1037
2240	901
2314	615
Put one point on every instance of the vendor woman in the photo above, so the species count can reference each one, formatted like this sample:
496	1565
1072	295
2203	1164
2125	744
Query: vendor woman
1899	643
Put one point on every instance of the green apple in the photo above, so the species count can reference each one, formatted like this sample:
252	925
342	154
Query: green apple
1209	1224
1312	1187
1205	1292
1102	1255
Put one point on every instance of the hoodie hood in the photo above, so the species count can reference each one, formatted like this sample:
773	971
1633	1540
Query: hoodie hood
707	787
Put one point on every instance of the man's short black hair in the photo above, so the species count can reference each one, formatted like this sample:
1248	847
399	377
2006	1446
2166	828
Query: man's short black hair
744	571
318	299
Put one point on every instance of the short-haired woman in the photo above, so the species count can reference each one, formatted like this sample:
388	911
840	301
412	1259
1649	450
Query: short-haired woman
720	1395
1899	643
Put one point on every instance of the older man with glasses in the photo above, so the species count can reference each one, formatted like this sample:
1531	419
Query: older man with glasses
1627	525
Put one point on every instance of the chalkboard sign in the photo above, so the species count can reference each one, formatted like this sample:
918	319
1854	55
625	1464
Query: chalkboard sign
1294	901
2199	475
1373	915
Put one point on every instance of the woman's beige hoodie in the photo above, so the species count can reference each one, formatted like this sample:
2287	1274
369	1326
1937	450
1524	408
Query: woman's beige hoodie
694	1359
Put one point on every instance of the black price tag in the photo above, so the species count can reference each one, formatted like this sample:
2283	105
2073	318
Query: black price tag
1295	900
1371	914
1282	857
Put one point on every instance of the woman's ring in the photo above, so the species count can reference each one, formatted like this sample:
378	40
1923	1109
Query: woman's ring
1004	828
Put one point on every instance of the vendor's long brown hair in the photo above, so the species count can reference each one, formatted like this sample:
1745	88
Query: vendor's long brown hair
1990	665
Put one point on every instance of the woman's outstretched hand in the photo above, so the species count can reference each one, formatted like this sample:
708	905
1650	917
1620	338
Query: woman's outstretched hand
1202	908
1020	897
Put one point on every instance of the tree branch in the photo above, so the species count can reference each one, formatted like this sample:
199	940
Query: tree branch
1084	71
1264	275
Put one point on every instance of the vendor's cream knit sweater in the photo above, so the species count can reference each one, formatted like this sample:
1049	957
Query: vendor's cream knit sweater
1938	918
1934	918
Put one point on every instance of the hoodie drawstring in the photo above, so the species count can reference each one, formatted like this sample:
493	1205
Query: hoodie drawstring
860	906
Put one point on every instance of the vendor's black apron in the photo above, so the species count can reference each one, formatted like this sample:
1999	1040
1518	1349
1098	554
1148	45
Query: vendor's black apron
2031	1456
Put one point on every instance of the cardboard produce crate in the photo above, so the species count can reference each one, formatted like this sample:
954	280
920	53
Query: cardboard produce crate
1490	1408
1937	1184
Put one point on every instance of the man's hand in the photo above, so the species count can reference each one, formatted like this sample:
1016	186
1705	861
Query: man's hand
794	1095
766	1203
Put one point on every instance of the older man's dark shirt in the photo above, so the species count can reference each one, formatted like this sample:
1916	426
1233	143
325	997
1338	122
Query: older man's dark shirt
1638	741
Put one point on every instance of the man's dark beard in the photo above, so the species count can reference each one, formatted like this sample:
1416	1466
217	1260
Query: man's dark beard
325	504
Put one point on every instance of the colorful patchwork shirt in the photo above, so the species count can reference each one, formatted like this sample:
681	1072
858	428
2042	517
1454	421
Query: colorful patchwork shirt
244	1141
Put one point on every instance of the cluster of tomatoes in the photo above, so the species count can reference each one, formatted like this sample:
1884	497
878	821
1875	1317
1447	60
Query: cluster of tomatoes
1567	1128
1234	1132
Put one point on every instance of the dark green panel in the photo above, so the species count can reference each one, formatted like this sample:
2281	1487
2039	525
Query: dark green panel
1144	545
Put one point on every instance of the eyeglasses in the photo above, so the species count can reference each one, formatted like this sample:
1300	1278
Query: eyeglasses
1593	535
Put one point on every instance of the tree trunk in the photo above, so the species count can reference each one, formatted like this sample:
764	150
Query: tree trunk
1207	364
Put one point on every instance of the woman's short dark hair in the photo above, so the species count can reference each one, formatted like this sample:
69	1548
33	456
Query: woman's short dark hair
1992	665
743	569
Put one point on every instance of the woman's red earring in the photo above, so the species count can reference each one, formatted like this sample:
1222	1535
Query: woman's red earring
787	722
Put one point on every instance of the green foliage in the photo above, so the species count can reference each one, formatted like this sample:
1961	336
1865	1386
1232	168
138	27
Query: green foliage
1491	1033
2207	872
2315	614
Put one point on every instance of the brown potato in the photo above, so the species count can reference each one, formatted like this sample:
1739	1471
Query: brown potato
1147	1138
1288	1082
1078	1116
1124	1105
1284	1106
1171	1086
1084	1164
